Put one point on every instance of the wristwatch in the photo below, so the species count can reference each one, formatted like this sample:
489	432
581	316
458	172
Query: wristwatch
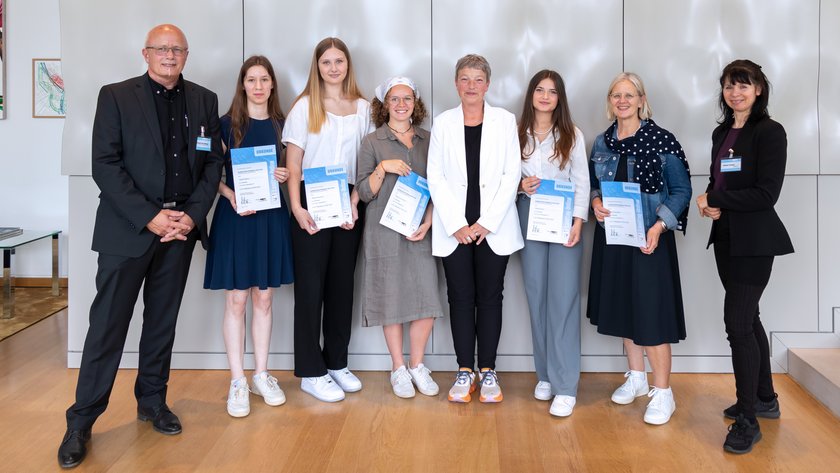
664	225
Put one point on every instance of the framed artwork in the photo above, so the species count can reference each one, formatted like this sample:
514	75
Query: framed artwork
47	89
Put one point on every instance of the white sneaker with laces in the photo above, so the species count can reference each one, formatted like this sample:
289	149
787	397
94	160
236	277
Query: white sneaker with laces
401	382
238	404
346	380
322	388
490	389
635	386
543	391
661	406
266	386
464	385
562	405
422	377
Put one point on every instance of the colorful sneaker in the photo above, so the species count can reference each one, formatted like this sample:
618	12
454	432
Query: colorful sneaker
490	389
422	378
322	388
346	380
768	410
401	382
238	404
463	386
266	386
743	434
635	386
543	391
562	405
660	407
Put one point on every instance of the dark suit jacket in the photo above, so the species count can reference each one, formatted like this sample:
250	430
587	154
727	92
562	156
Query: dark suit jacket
129	168
751	193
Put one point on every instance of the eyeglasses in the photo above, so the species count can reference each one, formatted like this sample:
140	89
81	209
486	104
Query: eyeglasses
394	100
164	50
616	97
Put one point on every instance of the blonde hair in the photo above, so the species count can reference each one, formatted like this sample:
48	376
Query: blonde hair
645	112
315	84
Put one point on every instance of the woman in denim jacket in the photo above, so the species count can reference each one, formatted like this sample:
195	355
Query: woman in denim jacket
635	293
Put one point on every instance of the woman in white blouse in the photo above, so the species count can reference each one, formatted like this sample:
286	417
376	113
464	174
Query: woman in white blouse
553	150
324	128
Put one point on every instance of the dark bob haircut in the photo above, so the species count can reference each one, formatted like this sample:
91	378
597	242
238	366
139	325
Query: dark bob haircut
744	71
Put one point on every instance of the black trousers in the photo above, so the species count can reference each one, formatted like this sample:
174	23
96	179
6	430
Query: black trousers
325	264
162	271
744	279
475	279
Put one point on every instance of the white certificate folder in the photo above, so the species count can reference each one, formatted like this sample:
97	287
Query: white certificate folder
327	196
626	223
550	214
407	204
253	178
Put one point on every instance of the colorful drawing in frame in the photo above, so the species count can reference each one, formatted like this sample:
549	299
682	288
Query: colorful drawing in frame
47	89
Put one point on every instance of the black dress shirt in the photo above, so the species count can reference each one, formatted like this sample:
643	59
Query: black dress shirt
171	106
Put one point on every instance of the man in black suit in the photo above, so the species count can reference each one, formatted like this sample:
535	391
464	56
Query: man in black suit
157	161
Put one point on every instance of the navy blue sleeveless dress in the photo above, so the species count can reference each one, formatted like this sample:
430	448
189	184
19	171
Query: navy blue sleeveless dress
250	251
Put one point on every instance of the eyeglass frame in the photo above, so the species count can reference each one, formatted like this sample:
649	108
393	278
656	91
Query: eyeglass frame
617	97
164	50
395	100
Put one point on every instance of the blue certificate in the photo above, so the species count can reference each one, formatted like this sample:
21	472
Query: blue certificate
253	178
626	223
407	204
550	214
327	196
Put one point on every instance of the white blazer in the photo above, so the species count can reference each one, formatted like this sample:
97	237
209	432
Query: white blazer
498	180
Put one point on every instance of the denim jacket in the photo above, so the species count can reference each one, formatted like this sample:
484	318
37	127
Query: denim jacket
667	205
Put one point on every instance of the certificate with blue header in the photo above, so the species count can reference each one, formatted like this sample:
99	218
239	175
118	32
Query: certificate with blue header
407	204
550	214
327	196
253	178
626	223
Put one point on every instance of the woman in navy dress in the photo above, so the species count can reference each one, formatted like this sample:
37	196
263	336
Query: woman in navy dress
250	252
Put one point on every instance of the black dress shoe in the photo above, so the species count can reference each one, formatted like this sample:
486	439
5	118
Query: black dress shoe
73	448
162	419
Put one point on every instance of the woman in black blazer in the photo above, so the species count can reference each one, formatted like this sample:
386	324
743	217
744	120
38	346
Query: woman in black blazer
749	151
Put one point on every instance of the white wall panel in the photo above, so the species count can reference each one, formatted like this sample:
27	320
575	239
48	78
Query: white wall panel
828	232
829	92
680	49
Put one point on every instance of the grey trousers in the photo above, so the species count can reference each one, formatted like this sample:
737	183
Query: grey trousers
551	274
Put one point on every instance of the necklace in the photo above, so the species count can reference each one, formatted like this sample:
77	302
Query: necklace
541	133
400	132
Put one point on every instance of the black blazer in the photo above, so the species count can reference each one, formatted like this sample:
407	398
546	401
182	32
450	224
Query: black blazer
129	168
751	193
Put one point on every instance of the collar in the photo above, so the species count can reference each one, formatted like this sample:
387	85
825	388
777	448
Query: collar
159	89
384	133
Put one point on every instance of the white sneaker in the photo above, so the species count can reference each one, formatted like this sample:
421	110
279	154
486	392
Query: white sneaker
238	404
490	389
562	406
422	377
543	391
464	385
661	406
323	388
635	386
347	380
266	386
401	382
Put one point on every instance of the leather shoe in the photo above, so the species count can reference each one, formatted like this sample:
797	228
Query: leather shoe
73	448
162	419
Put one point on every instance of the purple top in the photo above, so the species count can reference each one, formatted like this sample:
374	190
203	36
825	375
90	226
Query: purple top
728	143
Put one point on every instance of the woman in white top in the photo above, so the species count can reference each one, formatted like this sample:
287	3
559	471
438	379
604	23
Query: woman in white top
473	171
553	150
324	128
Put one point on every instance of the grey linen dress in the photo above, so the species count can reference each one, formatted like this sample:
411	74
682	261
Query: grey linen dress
400	276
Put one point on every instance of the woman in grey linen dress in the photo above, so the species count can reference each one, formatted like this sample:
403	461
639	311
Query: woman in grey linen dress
400	273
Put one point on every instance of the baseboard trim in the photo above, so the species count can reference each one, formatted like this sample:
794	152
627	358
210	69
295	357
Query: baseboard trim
38	282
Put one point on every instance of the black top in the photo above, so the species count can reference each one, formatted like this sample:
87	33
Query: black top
171	107
723	153
472	146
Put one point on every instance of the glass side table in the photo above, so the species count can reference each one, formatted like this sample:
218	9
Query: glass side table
8	246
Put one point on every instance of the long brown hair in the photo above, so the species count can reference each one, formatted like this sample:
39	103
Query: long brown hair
562	126
238	111
315	83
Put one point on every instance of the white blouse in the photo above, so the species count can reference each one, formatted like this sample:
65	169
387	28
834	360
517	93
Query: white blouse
576	170
337	142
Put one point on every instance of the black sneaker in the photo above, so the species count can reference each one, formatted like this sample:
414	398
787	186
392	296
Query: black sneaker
768	410
743	434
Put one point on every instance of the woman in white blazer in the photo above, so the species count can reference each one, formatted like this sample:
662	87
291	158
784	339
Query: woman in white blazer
473	173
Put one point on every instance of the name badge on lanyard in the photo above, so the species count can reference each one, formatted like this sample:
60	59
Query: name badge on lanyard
202	143
730	164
